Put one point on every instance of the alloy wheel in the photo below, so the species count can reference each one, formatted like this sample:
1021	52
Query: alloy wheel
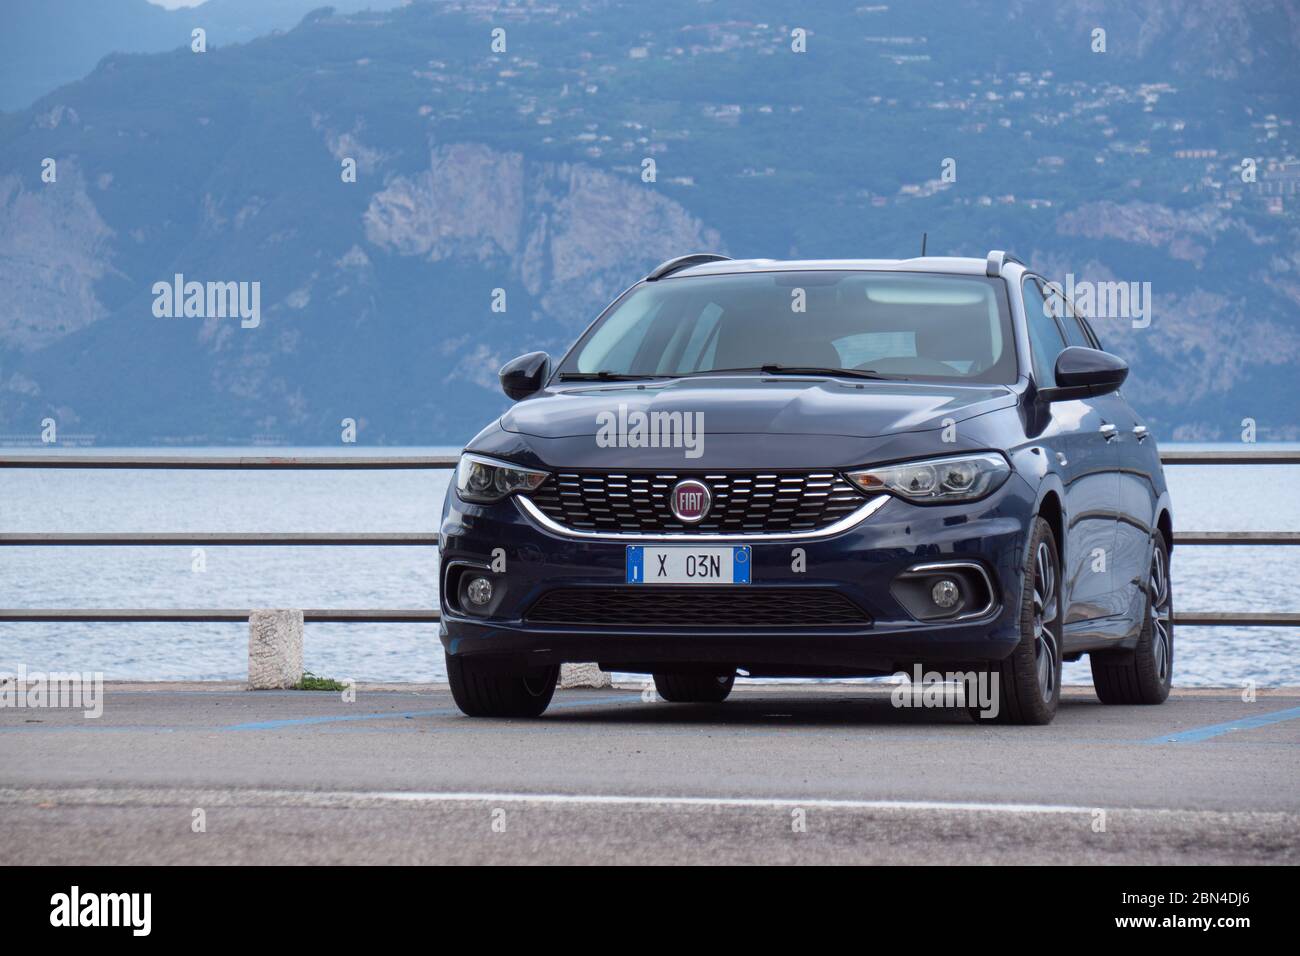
1161	615
1046	607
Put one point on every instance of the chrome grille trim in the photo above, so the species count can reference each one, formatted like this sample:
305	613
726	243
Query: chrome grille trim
778	503
534	513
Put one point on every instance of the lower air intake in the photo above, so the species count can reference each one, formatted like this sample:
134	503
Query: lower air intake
694	607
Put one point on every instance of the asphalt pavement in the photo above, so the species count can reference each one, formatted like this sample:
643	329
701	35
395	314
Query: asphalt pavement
211	773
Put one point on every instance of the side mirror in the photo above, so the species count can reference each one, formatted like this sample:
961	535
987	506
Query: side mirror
1082	373
522	376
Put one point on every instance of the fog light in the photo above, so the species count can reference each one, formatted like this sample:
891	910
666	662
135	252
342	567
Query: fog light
945	593
479	591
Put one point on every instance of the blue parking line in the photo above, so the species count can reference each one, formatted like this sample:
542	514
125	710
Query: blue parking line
1215	730
330	719
396	715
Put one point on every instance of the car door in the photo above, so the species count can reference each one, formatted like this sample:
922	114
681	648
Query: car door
1081	438
1139	462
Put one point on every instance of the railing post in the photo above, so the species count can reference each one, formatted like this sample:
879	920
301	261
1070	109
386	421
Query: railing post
584	675
274	649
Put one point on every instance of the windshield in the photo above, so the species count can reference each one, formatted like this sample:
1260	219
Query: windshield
898	325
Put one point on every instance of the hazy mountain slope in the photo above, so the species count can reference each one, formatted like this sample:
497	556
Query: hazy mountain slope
46	43
522	171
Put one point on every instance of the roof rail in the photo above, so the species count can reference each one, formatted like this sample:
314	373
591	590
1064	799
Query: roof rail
683	262
996	260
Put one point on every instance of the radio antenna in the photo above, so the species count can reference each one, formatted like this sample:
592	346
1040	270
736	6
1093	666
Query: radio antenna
923	236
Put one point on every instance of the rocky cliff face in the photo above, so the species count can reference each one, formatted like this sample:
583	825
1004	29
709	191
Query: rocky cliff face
573	236
391	309
54	247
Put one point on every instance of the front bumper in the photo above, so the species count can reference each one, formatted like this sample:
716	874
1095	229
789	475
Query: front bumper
859	563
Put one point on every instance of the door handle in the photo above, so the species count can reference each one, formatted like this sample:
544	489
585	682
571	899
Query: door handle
1140	431
1109	431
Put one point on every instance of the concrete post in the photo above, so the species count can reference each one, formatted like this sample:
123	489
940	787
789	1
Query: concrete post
583	675
274	649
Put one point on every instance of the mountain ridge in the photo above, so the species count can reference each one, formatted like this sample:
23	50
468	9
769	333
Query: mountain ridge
522	172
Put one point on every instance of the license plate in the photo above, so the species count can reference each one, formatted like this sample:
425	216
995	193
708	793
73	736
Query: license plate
685	565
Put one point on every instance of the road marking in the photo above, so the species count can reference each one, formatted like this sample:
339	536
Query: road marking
613	799
591	800
1214	730
254	798
330	719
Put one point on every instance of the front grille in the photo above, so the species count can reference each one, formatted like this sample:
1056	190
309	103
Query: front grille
695	607
752	502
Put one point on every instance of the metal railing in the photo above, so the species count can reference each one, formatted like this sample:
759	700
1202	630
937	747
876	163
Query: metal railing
426	616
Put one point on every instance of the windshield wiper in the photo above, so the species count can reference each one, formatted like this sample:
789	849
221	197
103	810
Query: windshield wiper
815	370
603	376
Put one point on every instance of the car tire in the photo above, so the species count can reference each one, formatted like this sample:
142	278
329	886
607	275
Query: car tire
1029	679
694	688
1144	674
488	690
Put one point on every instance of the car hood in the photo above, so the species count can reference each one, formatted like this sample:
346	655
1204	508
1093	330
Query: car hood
757	405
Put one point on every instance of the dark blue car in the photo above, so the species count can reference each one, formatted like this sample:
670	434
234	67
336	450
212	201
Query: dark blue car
814	469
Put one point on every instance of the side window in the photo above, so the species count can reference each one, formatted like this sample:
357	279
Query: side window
1074	333
1045	340
1089	331
1071	317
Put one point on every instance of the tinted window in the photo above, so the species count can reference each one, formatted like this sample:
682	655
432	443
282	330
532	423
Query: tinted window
1076	327
900	325
1091	332
1045	340
1074	334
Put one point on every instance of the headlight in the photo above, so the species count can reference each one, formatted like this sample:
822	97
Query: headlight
936	480
483	480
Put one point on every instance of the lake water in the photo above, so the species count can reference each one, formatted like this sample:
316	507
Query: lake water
1206	498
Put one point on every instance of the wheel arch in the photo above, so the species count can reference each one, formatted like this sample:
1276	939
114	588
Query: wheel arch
1051	508
1165	524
